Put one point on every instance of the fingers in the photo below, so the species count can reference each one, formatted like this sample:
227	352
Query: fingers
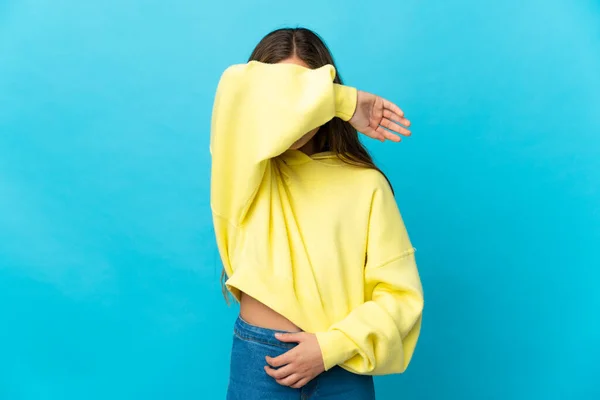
387	135
290	337
393	119
388	105
286	357
290	380
279	373
281	360
396	118
300	383
391	125
373	134
286	376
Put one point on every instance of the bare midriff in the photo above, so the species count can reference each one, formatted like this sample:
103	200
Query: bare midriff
256	313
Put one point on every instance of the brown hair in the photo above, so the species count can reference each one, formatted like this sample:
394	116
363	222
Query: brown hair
337	135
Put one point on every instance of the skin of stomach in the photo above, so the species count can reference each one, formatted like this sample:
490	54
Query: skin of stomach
258	314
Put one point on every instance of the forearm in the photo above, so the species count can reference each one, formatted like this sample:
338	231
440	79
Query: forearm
260	111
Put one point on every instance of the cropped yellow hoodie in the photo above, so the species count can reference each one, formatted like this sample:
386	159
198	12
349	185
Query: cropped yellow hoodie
317	240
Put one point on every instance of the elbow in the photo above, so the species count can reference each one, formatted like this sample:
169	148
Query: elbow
418	303
413	314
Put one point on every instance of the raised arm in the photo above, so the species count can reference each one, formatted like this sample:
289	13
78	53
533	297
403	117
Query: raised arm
260	110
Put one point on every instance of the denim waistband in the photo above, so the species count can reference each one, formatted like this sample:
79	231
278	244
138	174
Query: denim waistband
257	334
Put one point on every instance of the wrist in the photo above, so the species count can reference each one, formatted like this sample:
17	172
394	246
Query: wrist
345	101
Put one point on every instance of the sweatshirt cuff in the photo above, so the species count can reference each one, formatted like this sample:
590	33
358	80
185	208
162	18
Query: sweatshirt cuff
336	348
345	101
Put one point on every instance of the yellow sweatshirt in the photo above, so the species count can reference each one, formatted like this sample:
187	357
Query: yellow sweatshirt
317	240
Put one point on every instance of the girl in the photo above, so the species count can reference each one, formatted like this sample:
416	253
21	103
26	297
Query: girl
311	239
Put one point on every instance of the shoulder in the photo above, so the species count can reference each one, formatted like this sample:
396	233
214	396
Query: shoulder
372	179
374	183
376	178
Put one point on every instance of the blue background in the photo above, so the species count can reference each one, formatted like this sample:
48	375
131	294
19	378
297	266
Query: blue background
109	276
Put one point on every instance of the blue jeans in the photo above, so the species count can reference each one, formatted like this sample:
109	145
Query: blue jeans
249	381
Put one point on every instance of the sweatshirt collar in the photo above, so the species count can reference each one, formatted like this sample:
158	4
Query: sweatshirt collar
296	157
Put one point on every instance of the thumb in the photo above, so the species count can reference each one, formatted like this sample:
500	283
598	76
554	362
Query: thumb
290	337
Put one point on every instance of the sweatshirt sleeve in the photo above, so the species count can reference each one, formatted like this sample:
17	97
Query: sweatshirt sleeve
379	336
260	110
